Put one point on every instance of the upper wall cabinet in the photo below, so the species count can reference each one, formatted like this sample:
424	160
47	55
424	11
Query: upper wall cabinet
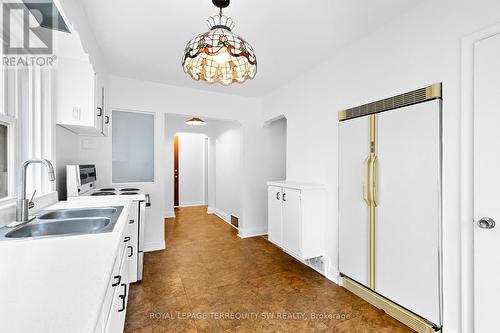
80	96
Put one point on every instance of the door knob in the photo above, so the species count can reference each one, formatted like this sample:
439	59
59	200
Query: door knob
486	223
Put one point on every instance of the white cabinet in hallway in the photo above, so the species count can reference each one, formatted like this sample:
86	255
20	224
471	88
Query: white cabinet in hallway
274	209
296	218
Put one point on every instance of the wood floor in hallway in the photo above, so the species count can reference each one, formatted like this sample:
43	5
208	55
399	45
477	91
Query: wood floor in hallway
210	280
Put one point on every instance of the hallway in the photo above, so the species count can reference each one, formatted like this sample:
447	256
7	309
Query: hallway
210	280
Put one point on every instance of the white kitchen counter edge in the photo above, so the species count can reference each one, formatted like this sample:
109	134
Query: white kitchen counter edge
36	313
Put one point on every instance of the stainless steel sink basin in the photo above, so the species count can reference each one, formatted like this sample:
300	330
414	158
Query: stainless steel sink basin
65	222
77	213
61	227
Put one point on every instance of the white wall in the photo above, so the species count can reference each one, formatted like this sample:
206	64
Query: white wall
275	134
66	153
191	169
228	159
420	48
129	94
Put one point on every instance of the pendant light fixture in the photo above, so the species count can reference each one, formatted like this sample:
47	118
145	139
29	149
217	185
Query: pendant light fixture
219	55
195	122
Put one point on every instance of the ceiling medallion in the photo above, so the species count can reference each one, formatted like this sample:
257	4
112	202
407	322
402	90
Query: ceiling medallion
219	55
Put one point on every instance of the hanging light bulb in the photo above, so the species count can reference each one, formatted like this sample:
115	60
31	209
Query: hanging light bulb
219	55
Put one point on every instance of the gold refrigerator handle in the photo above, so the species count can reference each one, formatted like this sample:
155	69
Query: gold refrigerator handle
373	180
366	181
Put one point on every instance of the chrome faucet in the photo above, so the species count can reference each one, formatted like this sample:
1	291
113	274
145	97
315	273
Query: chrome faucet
23	204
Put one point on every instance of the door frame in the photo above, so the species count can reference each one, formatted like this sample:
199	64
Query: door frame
176	171
467	175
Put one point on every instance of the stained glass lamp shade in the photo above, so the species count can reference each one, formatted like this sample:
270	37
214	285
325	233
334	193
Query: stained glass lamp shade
219	55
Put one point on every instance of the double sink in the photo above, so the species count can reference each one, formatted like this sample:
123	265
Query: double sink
65	222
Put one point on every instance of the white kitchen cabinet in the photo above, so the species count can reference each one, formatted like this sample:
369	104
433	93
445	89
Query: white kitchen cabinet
133	243
275	230
296	218
116	319
114	307
80	98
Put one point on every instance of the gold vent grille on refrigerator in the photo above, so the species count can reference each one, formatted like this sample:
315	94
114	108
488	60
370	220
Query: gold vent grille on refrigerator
398	101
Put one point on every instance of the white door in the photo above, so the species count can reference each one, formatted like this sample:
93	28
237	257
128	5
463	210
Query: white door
275	232
408	208
353	210
291	220
486	185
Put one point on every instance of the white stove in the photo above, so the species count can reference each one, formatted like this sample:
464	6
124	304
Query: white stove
80	184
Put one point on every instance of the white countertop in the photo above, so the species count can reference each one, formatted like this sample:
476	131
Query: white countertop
58	284
296	185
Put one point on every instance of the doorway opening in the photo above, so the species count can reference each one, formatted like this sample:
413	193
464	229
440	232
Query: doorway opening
191	152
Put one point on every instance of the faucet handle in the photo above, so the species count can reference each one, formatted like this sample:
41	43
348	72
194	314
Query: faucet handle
31	204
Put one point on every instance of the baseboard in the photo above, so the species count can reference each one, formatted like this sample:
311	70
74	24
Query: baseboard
445	330
150	247
169	214
223	215
253	232
211	210
334	278
191	204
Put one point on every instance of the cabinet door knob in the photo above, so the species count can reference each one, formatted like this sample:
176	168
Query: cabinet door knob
131	251
284	196
99	112
277	195
106	119
126	239
486	223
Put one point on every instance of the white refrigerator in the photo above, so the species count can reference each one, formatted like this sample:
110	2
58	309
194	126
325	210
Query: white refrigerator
390	203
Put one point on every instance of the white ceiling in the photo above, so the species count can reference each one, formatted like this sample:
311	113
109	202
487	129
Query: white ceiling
145	39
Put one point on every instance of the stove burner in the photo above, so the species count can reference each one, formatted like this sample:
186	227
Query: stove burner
129	193
129	189
107	189
102	193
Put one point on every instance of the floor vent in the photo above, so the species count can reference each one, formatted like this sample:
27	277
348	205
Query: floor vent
234	220
318	264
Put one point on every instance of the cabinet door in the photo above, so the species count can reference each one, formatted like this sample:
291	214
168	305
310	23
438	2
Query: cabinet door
408	218
353	210
99	103
116	319
133	243
291	221
75	93
275	231
107	114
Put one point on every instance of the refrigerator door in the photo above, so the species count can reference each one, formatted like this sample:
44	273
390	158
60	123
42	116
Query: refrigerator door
353	210
408	222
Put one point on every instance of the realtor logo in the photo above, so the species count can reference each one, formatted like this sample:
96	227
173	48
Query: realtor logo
23	33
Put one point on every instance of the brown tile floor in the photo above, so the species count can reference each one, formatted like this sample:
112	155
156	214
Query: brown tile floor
208	271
